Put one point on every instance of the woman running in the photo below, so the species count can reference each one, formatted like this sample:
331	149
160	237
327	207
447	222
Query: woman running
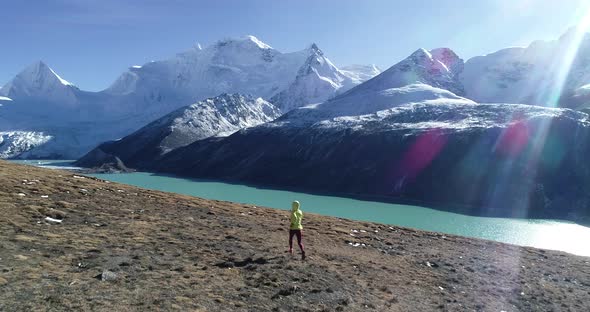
296	227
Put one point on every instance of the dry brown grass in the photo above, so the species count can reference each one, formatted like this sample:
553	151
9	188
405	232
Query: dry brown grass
174	252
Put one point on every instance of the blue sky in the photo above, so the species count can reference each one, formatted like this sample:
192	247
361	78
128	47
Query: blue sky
90	42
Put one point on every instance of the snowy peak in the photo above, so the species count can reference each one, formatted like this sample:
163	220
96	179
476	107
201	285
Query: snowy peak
245	42
244	65
39	80
247	50
314	49
439	68
316	63
40	69
449	58
40	74
317	80
258	42
437	62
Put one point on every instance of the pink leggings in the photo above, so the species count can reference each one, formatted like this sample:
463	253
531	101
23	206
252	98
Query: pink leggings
299	235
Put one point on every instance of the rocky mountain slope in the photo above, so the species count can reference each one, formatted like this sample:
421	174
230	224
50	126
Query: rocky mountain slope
78	243
19	142
218	116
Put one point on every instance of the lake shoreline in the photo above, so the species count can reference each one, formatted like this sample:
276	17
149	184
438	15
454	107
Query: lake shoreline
450	207
539	233
447	207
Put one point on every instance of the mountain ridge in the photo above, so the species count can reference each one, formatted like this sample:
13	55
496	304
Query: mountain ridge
290	80
42	101
214	117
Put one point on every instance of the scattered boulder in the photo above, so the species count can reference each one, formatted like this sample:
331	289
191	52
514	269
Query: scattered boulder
106	276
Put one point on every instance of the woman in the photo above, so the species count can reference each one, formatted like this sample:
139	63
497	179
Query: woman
296	227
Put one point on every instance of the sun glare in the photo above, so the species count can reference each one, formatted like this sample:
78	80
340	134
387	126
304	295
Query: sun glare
576	37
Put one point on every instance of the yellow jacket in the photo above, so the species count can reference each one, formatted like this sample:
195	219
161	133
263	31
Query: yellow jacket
296	216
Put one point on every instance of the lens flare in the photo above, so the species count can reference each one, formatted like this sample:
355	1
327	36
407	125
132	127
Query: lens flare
423	151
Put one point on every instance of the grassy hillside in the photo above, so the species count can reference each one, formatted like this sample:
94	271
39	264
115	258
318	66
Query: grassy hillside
122	248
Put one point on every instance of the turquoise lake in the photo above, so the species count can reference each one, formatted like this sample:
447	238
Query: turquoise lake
548	234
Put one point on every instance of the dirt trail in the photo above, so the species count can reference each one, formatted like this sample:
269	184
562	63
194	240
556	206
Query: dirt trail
122	248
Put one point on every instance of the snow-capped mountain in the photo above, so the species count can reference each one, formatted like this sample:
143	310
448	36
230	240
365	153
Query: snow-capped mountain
546	73
317	80
439	68
244	65
38	100
218	116
48	117
39	81
77	120
425	76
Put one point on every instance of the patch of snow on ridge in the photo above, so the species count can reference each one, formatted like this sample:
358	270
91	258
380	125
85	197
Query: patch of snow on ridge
447	114
63	81
259	43
3	98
